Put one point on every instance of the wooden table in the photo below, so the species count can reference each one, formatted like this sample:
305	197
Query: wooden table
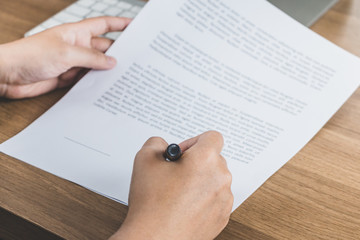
316	195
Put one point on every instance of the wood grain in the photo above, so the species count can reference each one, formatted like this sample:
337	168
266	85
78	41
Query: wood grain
316	195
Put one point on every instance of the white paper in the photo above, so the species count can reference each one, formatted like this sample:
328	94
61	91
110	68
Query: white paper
240	67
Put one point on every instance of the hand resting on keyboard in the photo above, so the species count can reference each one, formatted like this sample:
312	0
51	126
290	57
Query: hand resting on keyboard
83	9
57	57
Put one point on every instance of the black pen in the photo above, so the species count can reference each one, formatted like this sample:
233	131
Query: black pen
173	152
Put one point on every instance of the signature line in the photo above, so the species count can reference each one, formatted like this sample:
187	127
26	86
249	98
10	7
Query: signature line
81	144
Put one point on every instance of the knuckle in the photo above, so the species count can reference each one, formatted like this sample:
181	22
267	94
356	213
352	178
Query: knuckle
227	179
231	200
216	135
105	23
223	159
226	218
139	155
227	184
154	138
230	206
155	141
226	221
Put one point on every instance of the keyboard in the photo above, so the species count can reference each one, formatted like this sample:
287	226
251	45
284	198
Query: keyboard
83	9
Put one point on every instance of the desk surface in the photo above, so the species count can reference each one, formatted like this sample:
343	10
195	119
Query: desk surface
316	195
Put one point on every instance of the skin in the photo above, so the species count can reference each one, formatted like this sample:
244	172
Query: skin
187	199
183	200
57	57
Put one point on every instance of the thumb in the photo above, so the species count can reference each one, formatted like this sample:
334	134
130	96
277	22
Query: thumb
152	150
90	58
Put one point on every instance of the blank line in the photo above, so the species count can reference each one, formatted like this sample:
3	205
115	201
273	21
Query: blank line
81	144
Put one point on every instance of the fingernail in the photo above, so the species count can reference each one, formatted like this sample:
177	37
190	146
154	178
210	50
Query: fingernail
111	60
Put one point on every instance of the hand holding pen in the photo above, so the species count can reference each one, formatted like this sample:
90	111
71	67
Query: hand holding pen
168	198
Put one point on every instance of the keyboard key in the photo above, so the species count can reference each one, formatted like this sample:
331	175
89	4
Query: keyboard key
50	23
95	14
92	8
124	5
136	9
66	17
111	2
112	11
99	7
128	14
86	3
78	10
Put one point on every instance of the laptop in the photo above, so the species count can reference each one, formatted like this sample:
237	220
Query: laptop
304	11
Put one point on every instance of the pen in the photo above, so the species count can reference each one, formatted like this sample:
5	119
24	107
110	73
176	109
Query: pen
172	153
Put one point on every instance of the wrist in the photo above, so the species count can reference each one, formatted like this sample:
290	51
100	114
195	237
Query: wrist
138	229
129	232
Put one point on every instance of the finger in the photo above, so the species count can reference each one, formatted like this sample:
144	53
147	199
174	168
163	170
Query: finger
211	140
224	164
30	90
153	149
101	44
156	143
89	58
71	77
185	145
101	25
208	140
38	88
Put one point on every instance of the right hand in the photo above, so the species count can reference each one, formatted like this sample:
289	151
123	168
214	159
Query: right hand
187	199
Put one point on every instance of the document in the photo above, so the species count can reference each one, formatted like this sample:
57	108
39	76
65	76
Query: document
243	68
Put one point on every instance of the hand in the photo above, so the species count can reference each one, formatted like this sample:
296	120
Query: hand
187	199
56	57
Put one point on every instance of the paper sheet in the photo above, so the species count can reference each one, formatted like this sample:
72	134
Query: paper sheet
244	68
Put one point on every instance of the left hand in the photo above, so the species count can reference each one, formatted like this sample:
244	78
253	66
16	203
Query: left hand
56	57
